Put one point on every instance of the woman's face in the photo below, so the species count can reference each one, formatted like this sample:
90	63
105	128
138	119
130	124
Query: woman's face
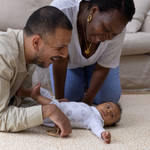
104	25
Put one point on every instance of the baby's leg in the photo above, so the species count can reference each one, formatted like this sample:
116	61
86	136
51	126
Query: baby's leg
36	91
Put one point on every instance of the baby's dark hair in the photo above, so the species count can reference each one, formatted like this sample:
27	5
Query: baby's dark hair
119	106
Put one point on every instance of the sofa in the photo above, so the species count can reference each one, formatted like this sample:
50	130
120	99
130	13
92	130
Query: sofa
14	14
135	58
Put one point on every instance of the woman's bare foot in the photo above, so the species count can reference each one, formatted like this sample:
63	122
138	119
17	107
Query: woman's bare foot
36	91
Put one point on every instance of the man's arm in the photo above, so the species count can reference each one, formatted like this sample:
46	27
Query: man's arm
16	117
99	75
59	74
58	117
13	117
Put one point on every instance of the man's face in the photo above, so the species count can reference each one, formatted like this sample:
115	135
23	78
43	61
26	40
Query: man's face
110	112
56	48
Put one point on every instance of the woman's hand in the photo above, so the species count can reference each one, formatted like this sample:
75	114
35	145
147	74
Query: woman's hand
63	100
99	75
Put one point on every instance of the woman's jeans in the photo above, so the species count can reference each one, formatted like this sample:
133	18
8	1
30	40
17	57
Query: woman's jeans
78	80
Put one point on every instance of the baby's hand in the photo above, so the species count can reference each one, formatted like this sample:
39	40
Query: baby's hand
63	100
106	137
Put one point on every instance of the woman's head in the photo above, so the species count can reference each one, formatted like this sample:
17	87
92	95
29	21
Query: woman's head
125	7
108	18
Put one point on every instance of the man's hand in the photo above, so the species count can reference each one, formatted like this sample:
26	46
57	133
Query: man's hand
106	137
58	117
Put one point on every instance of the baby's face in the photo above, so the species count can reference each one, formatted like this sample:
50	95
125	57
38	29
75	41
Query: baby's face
110	112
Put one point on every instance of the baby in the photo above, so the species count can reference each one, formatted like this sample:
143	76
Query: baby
80	114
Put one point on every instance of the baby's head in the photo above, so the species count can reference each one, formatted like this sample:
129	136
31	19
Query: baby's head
110	112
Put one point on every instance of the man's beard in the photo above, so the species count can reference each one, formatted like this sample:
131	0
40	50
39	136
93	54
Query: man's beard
37	62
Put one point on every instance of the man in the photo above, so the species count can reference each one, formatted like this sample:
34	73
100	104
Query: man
44	39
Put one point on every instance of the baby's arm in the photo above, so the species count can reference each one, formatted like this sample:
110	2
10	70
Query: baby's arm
98	130
45	98
36	95
106	136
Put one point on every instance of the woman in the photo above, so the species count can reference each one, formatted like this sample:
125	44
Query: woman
96	44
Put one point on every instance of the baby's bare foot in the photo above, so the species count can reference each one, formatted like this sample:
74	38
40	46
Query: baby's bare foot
36	91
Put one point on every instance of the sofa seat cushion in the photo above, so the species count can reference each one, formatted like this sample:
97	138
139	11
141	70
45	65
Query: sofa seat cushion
14	14
135	72
137	43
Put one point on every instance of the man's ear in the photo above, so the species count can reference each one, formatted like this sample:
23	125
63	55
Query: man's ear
36	42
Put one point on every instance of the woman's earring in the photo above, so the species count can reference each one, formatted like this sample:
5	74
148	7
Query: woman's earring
89	18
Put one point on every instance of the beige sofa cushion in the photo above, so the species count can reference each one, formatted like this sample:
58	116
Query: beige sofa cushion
14	14
137	43
142	8
135	72
146	24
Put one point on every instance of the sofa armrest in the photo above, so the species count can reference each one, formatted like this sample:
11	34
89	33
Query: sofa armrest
146	24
